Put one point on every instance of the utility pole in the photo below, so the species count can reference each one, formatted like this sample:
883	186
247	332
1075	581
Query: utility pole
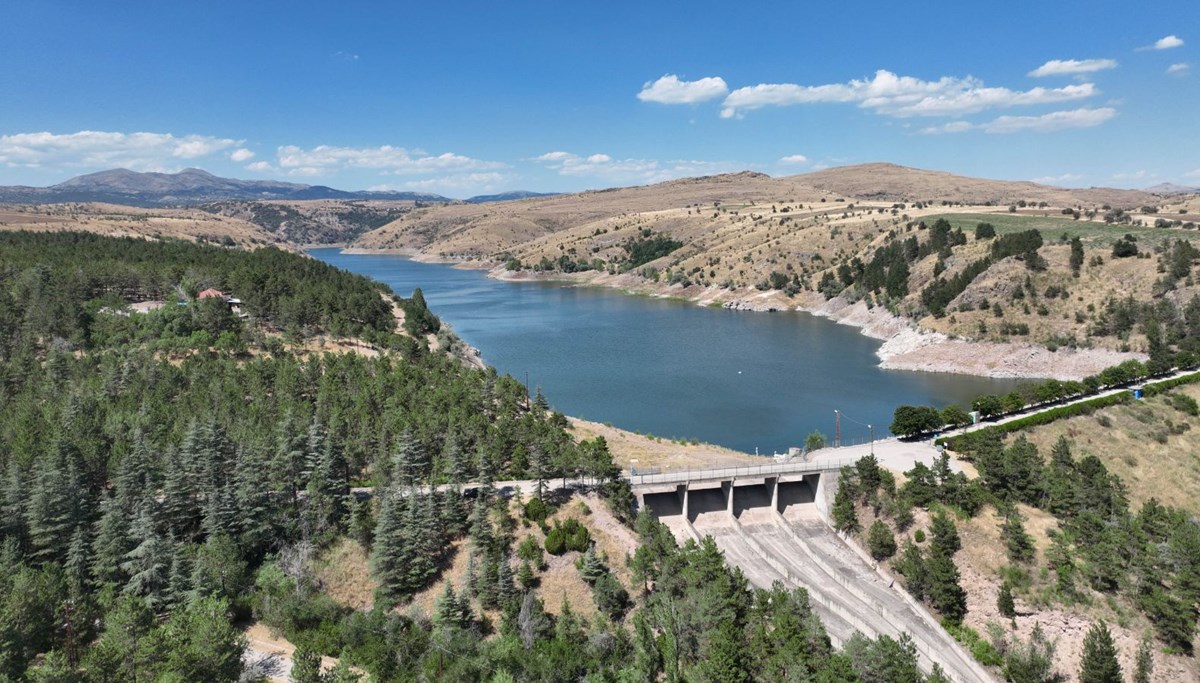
837	429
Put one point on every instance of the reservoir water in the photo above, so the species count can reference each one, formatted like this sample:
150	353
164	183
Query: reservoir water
673	369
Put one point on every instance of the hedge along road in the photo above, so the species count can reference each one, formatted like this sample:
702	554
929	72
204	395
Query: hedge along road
900	455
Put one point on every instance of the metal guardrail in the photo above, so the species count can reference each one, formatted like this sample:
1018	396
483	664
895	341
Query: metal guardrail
751	471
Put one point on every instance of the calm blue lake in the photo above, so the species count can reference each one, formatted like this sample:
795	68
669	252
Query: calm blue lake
673	369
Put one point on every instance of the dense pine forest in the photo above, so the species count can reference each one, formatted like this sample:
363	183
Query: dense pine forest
168	476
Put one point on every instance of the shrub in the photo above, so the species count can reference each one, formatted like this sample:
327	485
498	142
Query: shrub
1124	248
567	536
1184	404
981	650
536	510
880	541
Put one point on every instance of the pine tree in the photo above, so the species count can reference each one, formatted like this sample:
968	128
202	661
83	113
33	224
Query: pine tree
111	544
945	592
912	565
179	577
1004	602
325	505
455	461
252	496
945	539
50	514
505	590
448	609
539	468
525	577
453	511
391	550
592	566
481	533
880	541
14	493
1099	663
1019	543
215	469
148	563
425	541
410	462
362	523
135	475
288	461
78	560
180	495
845	517
1059	480
1144	665
306	666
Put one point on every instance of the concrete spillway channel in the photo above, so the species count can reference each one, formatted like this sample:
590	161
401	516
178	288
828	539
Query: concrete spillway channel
772	531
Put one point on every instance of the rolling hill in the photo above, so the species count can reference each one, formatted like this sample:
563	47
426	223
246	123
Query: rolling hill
748	240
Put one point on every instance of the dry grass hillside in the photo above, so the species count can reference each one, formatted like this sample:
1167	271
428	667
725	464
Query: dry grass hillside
127	221
889	182
290	223
484	231
751	241
1152	446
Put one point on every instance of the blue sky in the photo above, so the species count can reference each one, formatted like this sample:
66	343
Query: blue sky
467	98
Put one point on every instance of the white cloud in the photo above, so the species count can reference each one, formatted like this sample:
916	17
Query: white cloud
1168	42
1056	179
794	159
1068	67
260	167
346	56
1141	174
1192	174
555	157
670	90
952	127
325	159
101	149
241	154
893	95
1046	123
463	183
1180	69
608	169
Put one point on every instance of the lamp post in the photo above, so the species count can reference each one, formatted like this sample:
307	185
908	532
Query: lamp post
872	430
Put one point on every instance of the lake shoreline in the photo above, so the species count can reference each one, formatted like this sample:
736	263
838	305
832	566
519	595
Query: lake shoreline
905	346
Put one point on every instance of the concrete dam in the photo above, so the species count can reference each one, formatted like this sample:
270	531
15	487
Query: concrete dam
772	522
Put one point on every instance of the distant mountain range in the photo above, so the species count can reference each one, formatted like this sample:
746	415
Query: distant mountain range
1172	188
197	186
508	196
